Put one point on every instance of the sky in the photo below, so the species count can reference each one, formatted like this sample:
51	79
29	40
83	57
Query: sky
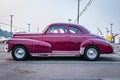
40	13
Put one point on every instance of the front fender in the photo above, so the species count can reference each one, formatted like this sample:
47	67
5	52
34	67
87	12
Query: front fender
33	46
103	45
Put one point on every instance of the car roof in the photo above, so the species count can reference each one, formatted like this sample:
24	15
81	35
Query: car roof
75	25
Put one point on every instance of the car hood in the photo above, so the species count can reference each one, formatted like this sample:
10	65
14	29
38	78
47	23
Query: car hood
26	35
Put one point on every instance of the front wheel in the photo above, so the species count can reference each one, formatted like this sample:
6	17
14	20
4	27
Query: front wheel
19	53
91	53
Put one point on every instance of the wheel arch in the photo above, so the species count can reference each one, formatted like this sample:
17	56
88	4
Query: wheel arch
20	45
90	42
93	46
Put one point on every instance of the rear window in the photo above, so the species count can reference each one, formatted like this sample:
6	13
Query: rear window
74	30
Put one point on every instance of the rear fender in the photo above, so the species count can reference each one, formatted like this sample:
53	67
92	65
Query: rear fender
33	46
102	45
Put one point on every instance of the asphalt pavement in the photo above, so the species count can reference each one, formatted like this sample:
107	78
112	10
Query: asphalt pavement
60	68
117	49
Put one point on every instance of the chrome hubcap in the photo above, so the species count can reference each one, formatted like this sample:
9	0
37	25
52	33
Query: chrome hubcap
92	53
19	53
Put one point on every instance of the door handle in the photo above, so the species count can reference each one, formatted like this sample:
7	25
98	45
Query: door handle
67	37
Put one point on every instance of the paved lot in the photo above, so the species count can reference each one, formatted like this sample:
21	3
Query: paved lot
57	68
117	49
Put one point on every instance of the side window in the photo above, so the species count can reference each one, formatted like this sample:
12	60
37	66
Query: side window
74	30
57	29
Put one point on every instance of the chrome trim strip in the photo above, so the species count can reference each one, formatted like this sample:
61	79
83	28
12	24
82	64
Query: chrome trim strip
56	55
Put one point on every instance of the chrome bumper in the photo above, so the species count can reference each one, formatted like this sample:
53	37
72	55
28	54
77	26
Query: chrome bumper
6	48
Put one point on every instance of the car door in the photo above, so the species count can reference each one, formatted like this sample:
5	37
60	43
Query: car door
57	36
75	38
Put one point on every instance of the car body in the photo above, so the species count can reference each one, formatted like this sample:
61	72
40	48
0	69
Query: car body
59	39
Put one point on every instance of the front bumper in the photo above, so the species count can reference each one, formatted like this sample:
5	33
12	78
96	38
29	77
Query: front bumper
6	48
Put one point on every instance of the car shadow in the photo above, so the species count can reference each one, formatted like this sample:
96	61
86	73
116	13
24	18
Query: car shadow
102	58
55	59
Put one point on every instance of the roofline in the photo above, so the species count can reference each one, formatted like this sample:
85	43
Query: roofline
65	24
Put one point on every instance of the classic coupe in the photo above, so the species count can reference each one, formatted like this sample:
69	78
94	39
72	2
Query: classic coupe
59	39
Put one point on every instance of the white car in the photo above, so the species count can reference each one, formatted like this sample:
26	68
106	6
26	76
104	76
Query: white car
3	39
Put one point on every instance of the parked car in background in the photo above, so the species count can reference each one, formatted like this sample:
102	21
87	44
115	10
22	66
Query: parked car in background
3	39
59	39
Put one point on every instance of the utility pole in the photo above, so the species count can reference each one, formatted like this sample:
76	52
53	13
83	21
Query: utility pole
78	12
111	28
111	32
11	16
37	30
69	20
29	28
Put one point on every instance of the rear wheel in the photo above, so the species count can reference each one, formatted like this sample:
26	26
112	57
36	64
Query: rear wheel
19	53
91	53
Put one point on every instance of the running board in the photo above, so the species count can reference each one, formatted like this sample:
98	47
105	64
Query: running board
55	55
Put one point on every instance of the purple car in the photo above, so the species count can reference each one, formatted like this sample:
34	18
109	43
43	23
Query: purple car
59	39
